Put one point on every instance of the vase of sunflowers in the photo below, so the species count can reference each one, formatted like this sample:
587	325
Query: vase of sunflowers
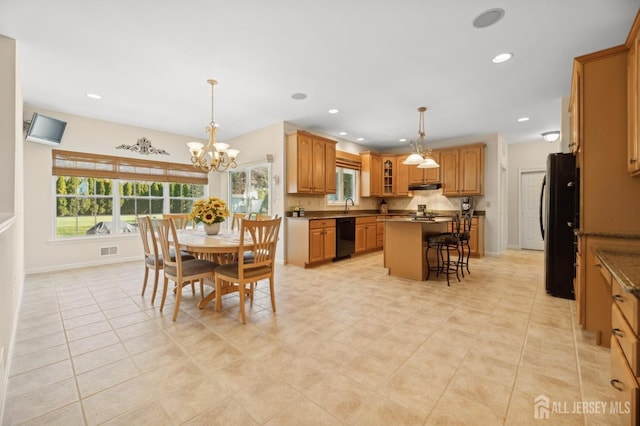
211	212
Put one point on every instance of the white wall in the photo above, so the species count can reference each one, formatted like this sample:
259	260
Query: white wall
524	157
254	148
11	207
84	135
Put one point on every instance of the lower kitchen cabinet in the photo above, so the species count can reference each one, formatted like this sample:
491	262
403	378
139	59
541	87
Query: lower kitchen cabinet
366	233
310	241
380	234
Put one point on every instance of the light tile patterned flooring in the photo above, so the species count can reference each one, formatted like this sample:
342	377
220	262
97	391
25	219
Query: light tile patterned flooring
348	345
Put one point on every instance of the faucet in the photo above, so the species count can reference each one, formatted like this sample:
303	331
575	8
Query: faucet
346	206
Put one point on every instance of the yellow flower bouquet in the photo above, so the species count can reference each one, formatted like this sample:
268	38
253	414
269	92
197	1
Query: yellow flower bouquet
209	211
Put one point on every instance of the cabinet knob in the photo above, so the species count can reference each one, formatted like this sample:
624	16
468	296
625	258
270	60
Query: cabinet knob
598	265
633	160
617	384
617	332
618	298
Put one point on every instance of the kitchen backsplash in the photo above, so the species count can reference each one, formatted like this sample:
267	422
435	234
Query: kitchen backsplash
433	199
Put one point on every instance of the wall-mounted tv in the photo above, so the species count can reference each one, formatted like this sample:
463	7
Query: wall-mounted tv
46	130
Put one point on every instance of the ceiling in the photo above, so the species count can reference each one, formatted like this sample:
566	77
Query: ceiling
376	61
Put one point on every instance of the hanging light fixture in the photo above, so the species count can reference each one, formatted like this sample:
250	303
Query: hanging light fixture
421	155
215	155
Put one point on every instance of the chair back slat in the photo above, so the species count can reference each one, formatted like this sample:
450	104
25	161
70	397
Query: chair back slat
166	231
236	220
259	237
149	242
180	220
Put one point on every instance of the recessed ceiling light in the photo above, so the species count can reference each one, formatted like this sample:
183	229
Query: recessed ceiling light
334	111
488	18
523	119
503	57
343	133
299	96
360	139
402	140
93	96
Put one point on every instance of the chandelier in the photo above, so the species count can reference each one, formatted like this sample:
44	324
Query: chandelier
215	155
421	155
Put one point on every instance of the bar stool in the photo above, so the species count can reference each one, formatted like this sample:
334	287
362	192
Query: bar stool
445	243
464	237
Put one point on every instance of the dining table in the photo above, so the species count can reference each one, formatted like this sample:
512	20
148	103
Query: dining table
221	248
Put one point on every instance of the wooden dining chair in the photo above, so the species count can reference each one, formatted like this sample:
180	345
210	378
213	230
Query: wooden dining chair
181	220
259	237
263	217
152	259
182	272
236	220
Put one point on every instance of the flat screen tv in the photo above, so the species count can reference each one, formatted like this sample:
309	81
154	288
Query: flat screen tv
46	130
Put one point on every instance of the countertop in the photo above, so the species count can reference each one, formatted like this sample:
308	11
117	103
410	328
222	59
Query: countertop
624	265
405	214
412	220
619	235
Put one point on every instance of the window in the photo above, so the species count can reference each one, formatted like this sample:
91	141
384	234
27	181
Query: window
98	194
346	186
84	206
249	189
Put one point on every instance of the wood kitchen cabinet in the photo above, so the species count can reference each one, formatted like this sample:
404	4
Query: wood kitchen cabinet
633	98
462	170
380	233
425	176
612	263
311	164
322	240
366	234
395	176
311	241
370	174
608	195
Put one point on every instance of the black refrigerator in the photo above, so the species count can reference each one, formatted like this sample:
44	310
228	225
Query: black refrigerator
558	219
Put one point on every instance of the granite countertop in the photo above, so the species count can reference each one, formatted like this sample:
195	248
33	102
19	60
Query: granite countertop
335	214
624	265
418	220
619	235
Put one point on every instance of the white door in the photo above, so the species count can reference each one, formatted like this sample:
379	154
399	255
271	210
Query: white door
530	185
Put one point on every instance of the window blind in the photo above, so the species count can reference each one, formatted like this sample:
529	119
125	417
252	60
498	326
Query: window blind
80	164
347	160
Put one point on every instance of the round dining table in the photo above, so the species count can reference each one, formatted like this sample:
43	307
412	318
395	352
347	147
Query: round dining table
221	248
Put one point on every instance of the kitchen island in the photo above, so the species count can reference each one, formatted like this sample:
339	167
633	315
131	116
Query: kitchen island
405	245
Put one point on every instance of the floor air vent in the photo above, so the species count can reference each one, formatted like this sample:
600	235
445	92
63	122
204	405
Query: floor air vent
108	251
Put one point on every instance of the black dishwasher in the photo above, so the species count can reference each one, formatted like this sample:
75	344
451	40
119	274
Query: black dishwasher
345	236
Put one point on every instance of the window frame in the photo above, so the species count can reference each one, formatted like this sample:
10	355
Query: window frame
119	170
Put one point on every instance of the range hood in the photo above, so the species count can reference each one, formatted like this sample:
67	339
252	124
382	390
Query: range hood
424	186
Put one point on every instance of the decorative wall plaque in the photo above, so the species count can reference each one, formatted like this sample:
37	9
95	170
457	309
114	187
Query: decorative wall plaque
143	146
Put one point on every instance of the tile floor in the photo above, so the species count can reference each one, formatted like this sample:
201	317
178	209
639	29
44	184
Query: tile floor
348	345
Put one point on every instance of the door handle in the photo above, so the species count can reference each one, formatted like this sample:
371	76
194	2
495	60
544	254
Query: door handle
544	182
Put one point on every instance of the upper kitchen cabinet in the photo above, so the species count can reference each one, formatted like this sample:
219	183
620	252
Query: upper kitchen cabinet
633	68
371	174
425	176
462	170
311	164
395	176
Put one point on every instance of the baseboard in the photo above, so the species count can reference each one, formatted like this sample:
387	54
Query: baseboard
63	267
